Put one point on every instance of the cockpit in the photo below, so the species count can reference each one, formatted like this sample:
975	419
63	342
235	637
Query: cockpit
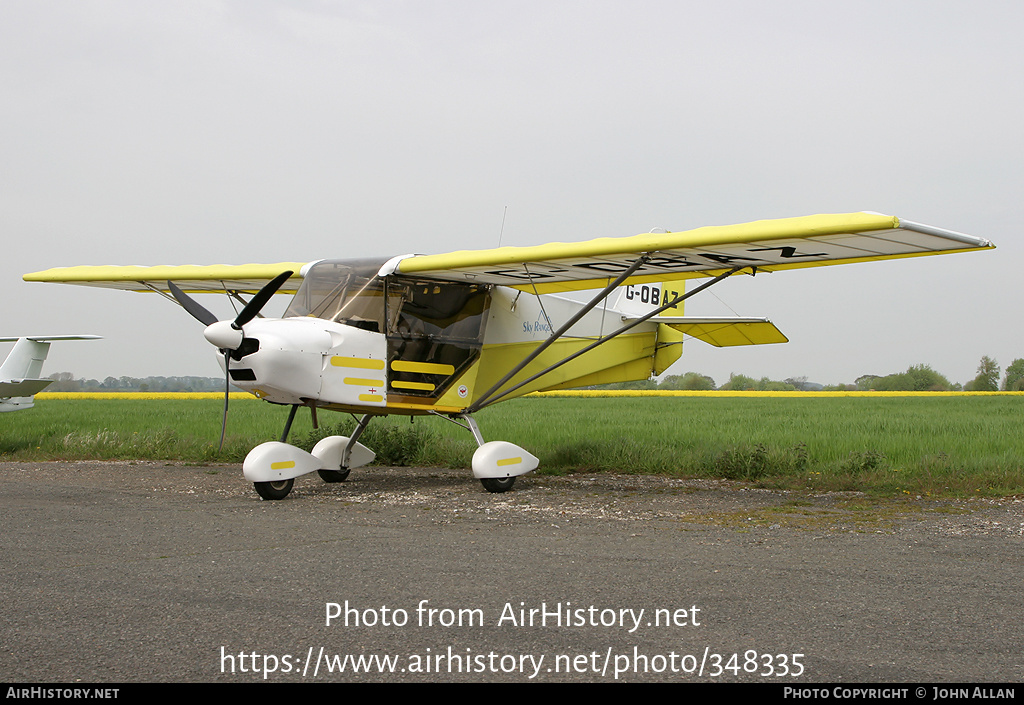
434	329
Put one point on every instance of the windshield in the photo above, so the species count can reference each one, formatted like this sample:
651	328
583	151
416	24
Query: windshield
346	291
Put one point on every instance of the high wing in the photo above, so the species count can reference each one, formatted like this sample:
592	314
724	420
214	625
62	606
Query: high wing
240	279
765	245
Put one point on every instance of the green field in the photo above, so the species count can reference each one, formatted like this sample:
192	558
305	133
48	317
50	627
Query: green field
954	446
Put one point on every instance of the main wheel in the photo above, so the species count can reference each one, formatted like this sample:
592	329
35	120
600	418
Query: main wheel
334	475
273	490
498	484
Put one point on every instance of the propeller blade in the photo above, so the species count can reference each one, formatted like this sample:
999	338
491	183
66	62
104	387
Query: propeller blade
260	299
191	305
227	387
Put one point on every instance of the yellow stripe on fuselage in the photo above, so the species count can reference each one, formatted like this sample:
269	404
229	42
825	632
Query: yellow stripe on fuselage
420	386
430	368
358	382
361	363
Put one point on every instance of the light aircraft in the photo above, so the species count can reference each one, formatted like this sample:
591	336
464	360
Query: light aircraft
450	334
20	373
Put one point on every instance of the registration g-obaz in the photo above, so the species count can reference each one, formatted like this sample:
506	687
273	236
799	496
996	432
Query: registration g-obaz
450	334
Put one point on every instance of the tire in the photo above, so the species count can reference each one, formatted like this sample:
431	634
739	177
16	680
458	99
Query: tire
273	490
334	475
498	484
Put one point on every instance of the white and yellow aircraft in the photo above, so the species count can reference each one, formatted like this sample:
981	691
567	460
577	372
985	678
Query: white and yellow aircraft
450	334
20	372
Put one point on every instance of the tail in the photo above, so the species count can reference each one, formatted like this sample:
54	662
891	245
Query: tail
638	300
21	373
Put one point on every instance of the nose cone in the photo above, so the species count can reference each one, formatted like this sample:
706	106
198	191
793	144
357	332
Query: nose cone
223	335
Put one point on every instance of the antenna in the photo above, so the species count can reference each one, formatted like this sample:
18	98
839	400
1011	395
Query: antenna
501	232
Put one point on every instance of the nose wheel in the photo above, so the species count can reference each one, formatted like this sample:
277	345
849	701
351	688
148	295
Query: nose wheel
334	475
498	484
273	490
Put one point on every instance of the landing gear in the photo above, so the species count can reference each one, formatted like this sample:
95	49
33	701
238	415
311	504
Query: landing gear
497	484
273	490
343	453
272	466
278	489
334	475
497	463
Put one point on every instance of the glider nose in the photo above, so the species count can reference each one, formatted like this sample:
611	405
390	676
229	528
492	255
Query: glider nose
224	335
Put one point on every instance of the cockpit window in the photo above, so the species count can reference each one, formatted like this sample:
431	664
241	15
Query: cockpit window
435	332
446	311
346	291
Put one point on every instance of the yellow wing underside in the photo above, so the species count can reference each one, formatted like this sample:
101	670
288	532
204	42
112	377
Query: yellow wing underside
765	245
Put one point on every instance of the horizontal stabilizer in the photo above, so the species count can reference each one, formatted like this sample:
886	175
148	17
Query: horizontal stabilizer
23	387
727	332
43	338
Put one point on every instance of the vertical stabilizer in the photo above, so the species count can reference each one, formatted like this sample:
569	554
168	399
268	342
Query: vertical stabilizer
640	299
26	360
21	373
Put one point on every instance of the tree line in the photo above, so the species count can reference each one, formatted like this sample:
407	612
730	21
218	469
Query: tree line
66	382
917	378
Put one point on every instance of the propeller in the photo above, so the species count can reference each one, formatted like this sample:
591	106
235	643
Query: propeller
261	298
198	311
248	312
228	336
227	391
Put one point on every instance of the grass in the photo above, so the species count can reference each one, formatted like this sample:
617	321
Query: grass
939	446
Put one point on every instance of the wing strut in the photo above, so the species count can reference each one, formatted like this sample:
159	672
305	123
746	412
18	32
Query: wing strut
485	400
161	292
482	401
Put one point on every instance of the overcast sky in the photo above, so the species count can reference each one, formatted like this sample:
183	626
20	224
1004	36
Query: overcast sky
202	132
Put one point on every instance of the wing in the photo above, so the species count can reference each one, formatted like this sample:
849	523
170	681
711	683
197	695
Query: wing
242	278
765	245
